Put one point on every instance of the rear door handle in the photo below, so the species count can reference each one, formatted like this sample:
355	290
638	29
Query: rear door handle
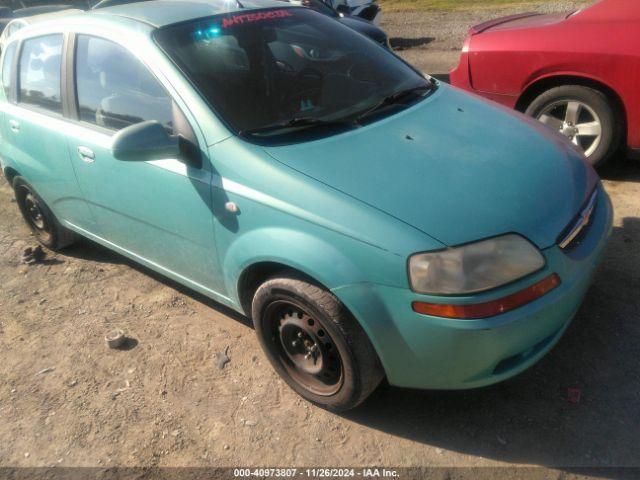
86	154
14	125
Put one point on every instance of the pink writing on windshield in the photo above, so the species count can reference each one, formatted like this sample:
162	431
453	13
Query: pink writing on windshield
254	17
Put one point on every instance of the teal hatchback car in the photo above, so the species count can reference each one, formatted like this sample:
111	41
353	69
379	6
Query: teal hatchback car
370	220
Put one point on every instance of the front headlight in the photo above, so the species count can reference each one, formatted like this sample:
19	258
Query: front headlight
474	267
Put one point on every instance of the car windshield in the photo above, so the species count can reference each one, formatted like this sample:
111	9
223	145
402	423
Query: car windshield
274	72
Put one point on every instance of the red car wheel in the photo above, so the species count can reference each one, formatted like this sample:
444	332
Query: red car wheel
583	115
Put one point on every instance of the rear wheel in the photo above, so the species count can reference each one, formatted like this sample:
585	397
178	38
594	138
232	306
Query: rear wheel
583	115
314	343
44	225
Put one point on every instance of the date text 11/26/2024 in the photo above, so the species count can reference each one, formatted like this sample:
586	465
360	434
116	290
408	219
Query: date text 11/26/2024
315	472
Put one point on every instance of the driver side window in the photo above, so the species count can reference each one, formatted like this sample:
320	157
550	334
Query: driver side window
115	90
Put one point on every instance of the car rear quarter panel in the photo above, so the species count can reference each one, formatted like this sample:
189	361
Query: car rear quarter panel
44	163
504	64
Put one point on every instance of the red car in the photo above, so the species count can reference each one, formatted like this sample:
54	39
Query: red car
579	73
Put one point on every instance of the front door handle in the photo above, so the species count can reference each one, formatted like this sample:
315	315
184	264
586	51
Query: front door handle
86	154
14	125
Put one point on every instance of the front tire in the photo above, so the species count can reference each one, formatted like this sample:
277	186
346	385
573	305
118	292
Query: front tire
39	218
314	343
585	116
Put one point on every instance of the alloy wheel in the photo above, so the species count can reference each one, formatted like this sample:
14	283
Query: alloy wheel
575	120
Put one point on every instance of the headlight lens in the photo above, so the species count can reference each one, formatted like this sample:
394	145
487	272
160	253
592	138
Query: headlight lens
474	267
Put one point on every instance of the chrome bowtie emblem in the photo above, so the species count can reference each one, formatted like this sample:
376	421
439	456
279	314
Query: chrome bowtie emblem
580	223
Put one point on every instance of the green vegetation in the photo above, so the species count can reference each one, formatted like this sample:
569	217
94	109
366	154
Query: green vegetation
397	5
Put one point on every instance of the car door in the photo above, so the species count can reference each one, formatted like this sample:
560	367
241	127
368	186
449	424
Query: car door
158	212
8	73
34	127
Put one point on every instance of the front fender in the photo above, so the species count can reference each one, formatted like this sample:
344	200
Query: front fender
309	254
286	217
353	273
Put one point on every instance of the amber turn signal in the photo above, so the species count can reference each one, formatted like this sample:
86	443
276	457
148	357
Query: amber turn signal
489	309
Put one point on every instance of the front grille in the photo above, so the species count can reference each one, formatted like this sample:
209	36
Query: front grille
577	228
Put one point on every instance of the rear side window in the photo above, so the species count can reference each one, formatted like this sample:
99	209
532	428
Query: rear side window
40	62
7	68
115	89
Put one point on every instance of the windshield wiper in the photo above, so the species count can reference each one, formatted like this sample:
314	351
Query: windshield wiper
310	122
297	122
394	98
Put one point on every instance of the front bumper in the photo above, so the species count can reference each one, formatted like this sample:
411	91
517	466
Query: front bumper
419	351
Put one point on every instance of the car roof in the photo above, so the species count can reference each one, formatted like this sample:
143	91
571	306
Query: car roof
39	10
158	13
46	16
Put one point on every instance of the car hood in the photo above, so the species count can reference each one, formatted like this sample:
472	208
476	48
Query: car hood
455	167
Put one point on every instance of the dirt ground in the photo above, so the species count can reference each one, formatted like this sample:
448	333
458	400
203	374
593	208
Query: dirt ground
67	400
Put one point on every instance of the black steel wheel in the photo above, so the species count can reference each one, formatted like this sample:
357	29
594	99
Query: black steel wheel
307	351
314	343
34	216
39	218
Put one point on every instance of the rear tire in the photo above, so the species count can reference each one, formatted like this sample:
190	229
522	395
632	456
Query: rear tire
314	343
593	106
39	218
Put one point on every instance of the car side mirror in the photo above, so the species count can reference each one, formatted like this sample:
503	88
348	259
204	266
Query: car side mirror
150	141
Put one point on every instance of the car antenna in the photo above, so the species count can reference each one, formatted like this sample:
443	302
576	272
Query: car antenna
239	4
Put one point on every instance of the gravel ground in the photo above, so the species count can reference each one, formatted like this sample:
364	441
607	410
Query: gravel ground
435	38
67	400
